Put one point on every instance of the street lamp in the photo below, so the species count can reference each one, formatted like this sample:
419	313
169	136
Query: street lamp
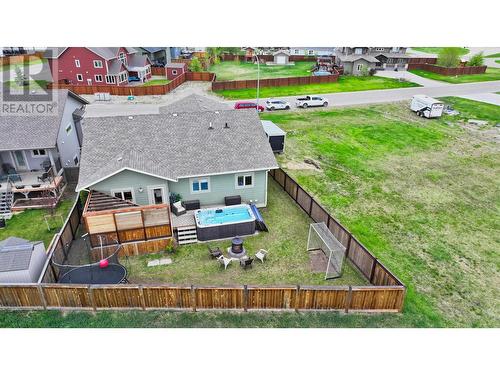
258	79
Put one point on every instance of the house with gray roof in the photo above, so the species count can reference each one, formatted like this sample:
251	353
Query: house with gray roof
21	261
356	60
87	66
197	149
158	55
38	151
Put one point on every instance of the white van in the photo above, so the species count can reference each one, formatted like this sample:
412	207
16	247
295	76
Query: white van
426	106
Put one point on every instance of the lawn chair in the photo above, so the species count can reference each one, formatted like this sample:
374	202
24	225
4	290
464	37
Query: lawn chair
177	209
261	255
44	177
224	261
246	263
215	252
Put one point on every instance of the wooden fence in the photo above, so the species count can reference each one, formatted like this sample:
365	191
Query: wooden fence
265	58
273	82
458	71
374	271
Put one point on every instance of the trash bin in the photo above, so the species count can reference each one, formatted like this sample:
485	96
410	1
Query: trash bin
2	223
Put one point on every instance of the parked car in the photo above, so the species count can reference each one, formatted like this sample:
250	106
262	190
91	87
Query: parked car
273	104
247	105
133	79
311	101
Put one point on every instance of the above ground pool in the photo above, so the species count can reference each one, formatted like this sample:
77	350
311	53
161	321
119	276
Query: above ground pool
224	222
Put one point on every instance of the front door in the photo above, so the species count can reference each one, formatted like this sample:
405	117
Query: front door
157	195
89	81
20	159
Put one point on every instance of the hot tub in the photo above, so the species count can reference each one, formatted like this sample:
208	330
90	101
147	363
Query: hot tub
224	222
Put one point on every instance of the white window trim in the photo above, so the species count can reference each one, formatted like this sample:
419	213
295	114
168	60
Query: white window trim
33	155
244	175
191	180
70	125
79	80
98	75
77	63
110	78
113	191
98	64
174	72
163	191
359	67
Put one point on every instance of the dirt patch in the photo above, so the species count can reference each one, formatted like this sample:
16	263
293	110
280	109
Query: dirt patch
318	261
303	165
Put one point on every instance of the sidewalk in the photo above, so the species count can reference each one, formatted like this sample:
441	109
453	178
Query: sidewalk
425	82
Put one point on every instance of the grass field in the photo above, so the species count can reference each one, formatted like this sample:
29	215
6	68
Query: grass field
492	74
493	55
31	225
286	241
436	50
230	70
156	82
32	85
345	83
423	195
35	61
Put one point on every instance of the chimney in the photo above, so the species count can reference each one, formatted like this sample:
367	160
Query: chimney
226	126
210	127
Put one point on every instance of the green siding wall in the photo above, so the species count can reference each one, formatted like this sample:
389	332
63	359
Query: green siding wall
134	180
222	186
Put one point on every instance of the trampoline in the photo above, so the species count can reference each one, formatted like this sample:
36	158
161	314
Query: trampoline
93	274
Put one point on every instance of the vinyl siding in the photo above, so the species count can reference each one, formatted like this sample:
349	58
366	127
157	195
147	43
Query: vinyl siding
222	186
129	179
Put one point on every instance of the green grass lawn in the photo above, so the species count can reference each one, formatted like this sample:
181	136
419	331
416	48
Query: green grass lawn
156	82
231	71
32	85
31	225
286	241
493	55
492	74
345	83
27	63
436	50
497	61
423	195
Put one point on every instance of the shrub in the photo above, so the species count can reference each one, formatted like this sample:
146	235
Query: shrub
449	57
364	71
476	60
371	72
195	65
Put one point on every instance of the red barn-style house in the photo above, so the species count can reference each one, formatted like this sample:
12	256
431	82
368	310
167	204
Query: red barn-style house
84	66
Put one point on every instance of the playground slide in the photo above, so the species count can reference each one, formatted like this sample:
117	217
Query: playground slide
258	218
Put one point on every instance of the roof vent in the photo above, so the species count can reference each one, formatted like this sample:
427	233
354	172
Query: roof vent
210	127
217	112
130	117
226	126
119	158
174	114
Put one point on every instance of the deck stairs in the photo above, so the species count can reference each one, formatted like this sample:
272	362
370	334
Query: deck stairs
6	202
187	235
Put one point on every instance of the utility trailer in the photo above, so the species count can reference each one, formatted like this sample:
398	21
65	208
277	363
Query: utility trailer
425	106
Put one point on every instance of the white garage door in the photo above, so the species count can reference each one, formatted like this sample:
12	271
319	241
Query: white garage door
281	60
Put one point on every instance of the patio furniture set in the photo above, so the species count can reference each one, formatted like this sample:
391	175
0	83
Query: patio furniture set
245	260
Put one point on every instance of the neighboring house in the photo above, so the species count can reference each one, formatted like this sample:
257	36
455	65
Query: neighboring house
36	150
21	261
175	69
356	59
281	57
161	55
200	155
312	51
84	66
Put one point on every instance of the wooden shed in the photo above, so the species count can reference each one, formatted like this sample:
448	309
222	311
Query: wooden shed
174	70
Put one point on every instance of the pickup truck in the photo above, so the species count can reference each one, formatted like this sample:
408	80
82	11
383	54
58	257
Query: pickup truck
311	101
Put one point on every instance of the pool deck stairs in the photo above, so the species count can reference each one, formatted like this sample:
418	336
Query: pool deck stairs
187	235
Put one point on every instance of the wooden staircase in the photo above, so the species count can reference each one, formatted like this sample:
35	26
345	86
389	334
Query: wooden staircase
6	201
187	235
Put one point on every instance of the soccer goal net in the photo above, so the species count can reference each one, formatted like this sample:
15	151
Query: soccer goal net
321	239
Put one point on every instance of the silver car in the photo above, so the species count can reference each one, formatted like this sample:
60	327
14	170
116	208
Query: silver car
273	104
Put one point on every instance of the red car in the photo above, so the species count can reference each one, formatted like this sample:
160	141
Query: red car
247	105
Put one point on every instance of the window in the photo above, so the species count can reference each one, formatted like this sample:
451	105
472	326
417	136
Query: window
358	51
296	51
76	160
310	52
174	72
38	153
110	79
148	69
79	77
97	64
379	49
200	185
98	77
125	194
122	77
77	63
244	180
122	57
68	128
395	49
359	67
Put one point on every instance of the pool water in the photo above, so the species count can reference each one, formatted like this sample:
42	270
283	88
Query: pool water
224	215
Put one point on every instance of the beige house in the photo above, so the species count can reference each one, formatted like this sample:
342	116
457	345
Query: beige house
355	60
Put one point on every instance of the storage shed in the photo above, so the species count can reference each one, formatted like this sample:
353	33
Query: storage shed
275	135
21	261
281	57
174	70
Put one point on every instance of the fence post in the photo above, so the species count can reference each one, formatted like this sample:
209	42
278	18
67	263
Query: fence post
297	294
372	273
193	298
42	296
91	297
348	299
245	298
310	205
141	297
348	247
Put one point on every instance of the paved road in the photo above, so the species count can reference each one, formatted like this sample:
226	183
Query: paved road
485	97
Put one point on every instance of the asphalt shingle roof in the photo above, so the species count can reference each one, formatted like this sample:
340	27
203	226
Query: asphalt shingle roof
174	145
32	131
194	103
15	254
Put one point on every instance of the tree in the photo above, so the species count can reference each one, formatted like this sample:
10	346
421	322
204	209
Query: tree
364	71
213	54
20	78
195	65
449	57
476	60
